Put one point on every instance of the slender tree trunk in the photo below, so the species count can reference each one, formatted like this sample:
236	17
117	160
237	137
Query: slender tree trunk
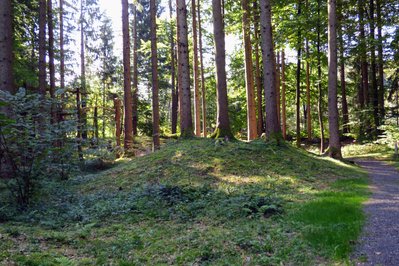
83	73
79	124
345	114
380	64
203	89
135	72
260	124
62	59
197	104
155	87
373	73
42	47
6	72
249	79
308	107
319	87
334	149
127	86
298	82
186	120
278	92
283	97
269	70
174	95
95	121
50	25
103	114
222	121
364	101
118	126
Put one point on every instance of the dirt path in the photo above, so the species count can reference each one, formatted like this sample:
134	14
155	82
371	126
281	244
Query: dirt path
379	244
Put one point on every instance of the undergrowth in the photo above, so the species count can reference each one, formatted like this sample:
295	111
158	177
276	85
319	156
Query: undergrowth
194	202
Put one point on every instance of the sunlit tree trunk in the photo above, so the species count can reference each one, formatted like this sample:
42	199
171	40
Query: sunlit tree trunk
319	87
117	117
269	70
308	107
186	120
174	95
249	79
278	85
155	89
222	121
334	149
135	72
197	104
345	115
127	86
203	89
298	82
6	73
283	97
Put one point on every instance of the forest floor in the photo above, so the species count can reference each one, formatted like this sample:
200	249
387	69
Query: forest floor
195	202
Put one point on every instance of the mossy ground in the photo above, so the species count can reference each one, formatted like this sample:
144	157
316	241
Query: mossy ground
196	202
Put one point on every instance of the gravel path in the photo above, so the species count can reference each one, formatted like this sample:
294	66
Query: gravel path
379	244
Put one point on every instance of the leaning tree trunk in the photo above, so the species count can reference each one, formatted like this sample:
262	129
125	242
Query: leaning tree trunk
186	120
334	149
154	64
197	104
127	86
283	97
252	131
6	73
203	89
269	70
222	121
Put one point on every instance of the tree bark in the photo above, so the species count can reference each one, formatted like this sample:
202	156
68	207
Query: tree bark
118	127
50	25
186	120
174	95
197	104
42	47
135	72
345	114
298	83
283	97
334	149
269	70
373	72
380	64
83	74
127	86
203	89
319	87
252	131
364	100
155	87
260	124
222	121
62	58
278	85
6	72
308	107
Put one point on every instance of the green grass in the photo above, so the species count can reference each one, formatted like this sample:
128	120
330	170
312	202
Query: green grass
196	202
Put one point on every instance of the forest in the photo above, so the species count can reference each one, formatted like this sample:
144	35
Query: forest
202	132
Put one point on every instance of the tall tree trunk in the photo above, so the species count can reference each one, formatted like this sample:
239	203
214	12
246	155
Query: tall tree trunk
174	95
260	124
345	114
203	89
283	97
278	85
42	47
127	86
334	149
364	101
298	82
249	79
95	121
380	64
135	72
373	73
103	112
83	73
308	107
50	25
319	87
186	120
222	121
155	88
79	124
269	70
6	72
62	59
197	104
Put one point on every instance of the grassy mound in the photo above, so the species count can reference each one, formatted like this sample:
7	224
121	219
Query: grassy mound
196	202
